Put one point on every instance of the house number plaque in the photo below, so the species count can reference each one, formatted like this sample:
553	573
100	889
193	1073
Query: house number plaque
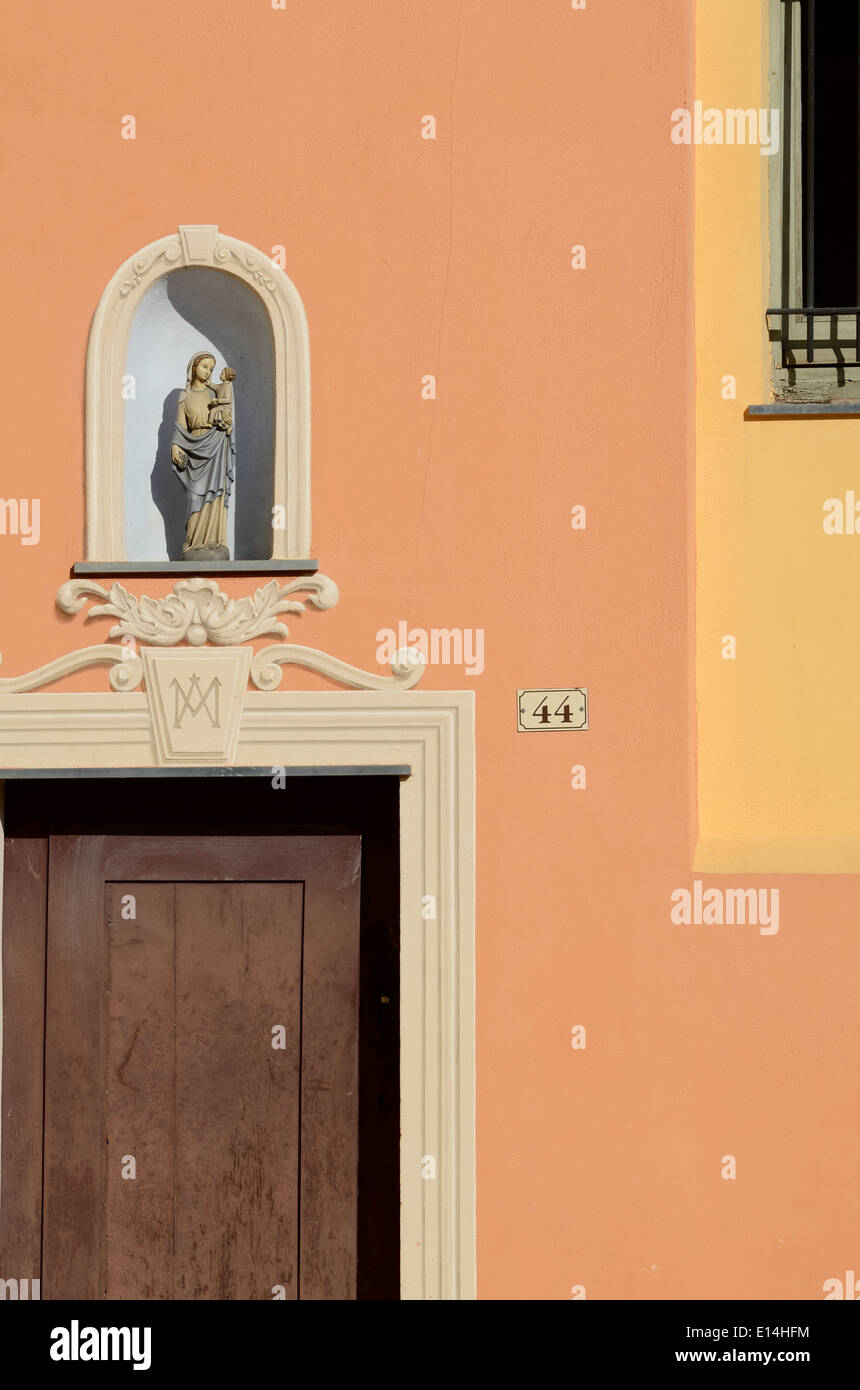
552	709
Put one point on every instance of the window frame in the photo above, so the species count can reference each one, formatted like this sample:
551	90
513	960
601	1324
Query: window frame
835	337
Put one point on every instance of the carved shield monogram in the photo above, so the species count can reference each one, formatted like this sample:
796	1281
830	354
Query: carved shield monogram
195	699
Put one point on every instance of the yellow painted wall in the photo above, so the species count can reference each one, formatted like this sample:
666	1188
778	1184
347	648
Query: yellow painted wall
778	728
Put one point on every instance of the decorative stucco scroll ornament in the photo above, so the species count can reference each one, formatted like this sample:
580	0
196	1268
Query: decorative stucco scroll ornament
407	668
199	612
126	669
252	262
139	266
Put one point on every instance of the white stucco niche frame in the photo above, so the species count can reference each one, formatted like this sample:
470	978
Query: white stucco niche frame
198	245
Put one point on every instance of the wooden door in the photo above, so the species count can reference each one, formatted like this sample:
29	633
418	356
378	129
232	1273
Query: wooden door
201	1068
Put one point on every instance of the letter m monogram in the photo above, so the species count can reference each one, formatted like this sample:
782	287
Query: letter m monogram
193	699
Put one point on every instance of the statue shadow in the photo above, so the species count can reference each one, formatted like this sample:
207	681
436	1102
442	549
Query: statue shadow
166	490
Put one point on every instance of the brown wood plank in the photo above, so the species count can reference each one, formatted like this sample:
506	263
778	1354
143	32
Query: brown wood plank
224	858
140	1091
329	1153
25	889
75	1056
238	975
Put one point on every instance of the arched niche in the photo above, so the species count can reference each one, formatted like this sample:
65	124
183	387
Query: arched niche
179	288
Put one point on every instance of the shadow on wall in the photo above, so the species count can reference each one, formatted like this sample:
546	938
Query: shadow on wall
187	311
165	487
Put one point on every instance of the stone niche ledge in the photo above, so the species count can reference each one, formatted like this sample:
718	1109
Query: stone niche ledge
180	569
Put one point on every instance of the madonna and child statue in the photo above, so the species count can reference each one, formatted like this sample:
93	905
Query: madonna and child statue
203	455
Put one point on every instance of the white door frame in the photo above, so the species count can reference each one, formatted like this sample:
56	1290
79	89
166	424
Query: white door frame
433	734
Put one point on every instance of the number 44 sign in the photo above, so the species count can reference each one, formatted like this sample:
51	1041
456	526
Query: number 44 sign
552	709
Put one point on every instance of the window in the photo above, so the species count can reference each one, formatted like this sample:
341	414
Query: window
813	316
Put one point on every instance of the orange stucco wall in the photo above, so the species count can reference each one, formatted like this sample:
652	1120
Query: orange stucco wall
556	387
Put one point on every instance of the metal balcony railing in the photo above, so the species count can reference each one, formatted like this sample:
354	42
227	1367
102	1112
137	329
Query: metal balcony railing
808	344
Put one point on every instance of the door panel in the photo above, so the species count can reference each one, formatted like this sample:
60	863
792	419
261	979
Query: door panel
238	975
197	1094
140	1109
24	878
73	1234
170	963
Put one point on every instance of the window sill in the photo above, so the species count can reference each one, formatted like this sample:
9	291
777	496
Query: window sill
182	567
797	410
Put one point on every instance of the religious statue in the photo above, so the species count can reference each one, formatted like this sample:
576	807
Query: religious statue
203	455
